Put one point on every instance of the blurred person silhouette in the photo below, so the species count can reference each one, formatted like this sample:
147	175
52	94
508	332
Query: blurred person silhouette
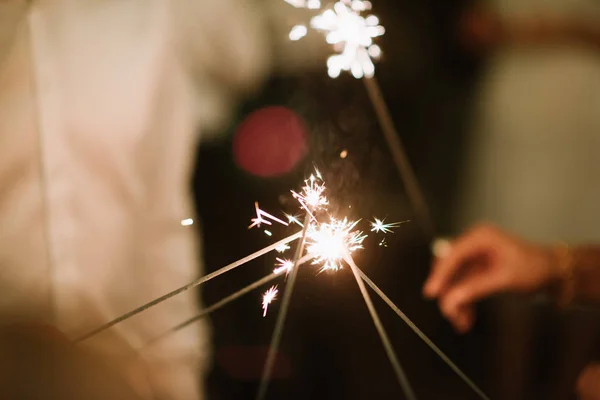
102	104
532	164
487	260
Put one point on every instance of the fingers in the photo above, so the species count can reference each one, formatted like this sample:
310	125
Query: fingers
463	250
462	318
457	304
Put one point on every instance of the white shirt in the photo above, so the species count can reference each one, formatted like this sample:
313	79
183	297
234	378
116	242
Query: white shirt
101	106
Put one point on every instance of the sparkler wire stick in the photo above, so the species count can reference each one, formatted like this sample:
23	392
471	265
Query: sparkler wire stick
223	302
392	138
389	349
285	303
423	337
190	285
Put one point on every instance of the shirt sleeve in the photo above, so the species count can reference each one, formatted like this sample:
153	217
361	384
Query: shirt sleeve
225	41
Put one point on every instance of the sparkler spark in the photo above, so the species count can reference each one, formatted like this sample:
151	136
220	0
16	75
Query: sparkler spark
283	266
260	220
311	197
282	248
293	219
268	297
379	225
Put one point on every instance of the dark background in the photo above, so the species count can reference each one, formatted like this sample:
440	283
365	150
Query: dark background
330	348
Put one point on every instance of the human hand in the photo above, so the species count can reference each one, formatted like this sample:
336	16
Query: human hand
588	383
483	262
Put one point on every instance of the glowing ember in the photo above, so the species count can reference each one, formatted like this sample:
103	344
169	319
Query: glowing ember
282	248
293	219
268	297
327	243
260	219
283	266
311	198
379	225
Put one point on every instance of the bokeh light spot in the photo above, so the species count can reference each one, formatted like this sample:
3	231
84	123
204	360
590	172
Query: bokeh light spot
270	142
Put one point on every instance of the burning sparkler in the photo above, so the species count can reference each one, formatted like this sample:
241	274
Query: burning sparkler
350	33
352	36
328	243
268	297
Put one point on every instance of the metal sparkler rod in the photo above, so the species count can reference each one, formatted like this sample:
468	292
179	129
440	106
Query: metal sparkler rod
423	337
392	138
223	302
216	306
285	303
190	285
389	349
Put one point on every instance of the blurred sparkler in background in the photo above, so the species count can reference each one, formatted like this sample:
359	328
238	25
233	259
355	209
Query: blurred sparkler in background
351	34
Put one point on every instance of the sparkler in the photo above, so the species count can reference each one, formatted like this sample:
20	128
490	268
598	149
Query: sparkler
281	316
389	349
223	302
421	335
190	285
327	243
331	244
351	35
348	31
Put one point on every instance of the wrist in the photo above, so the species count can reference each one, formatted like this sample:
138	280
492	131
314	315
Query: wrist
561	274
